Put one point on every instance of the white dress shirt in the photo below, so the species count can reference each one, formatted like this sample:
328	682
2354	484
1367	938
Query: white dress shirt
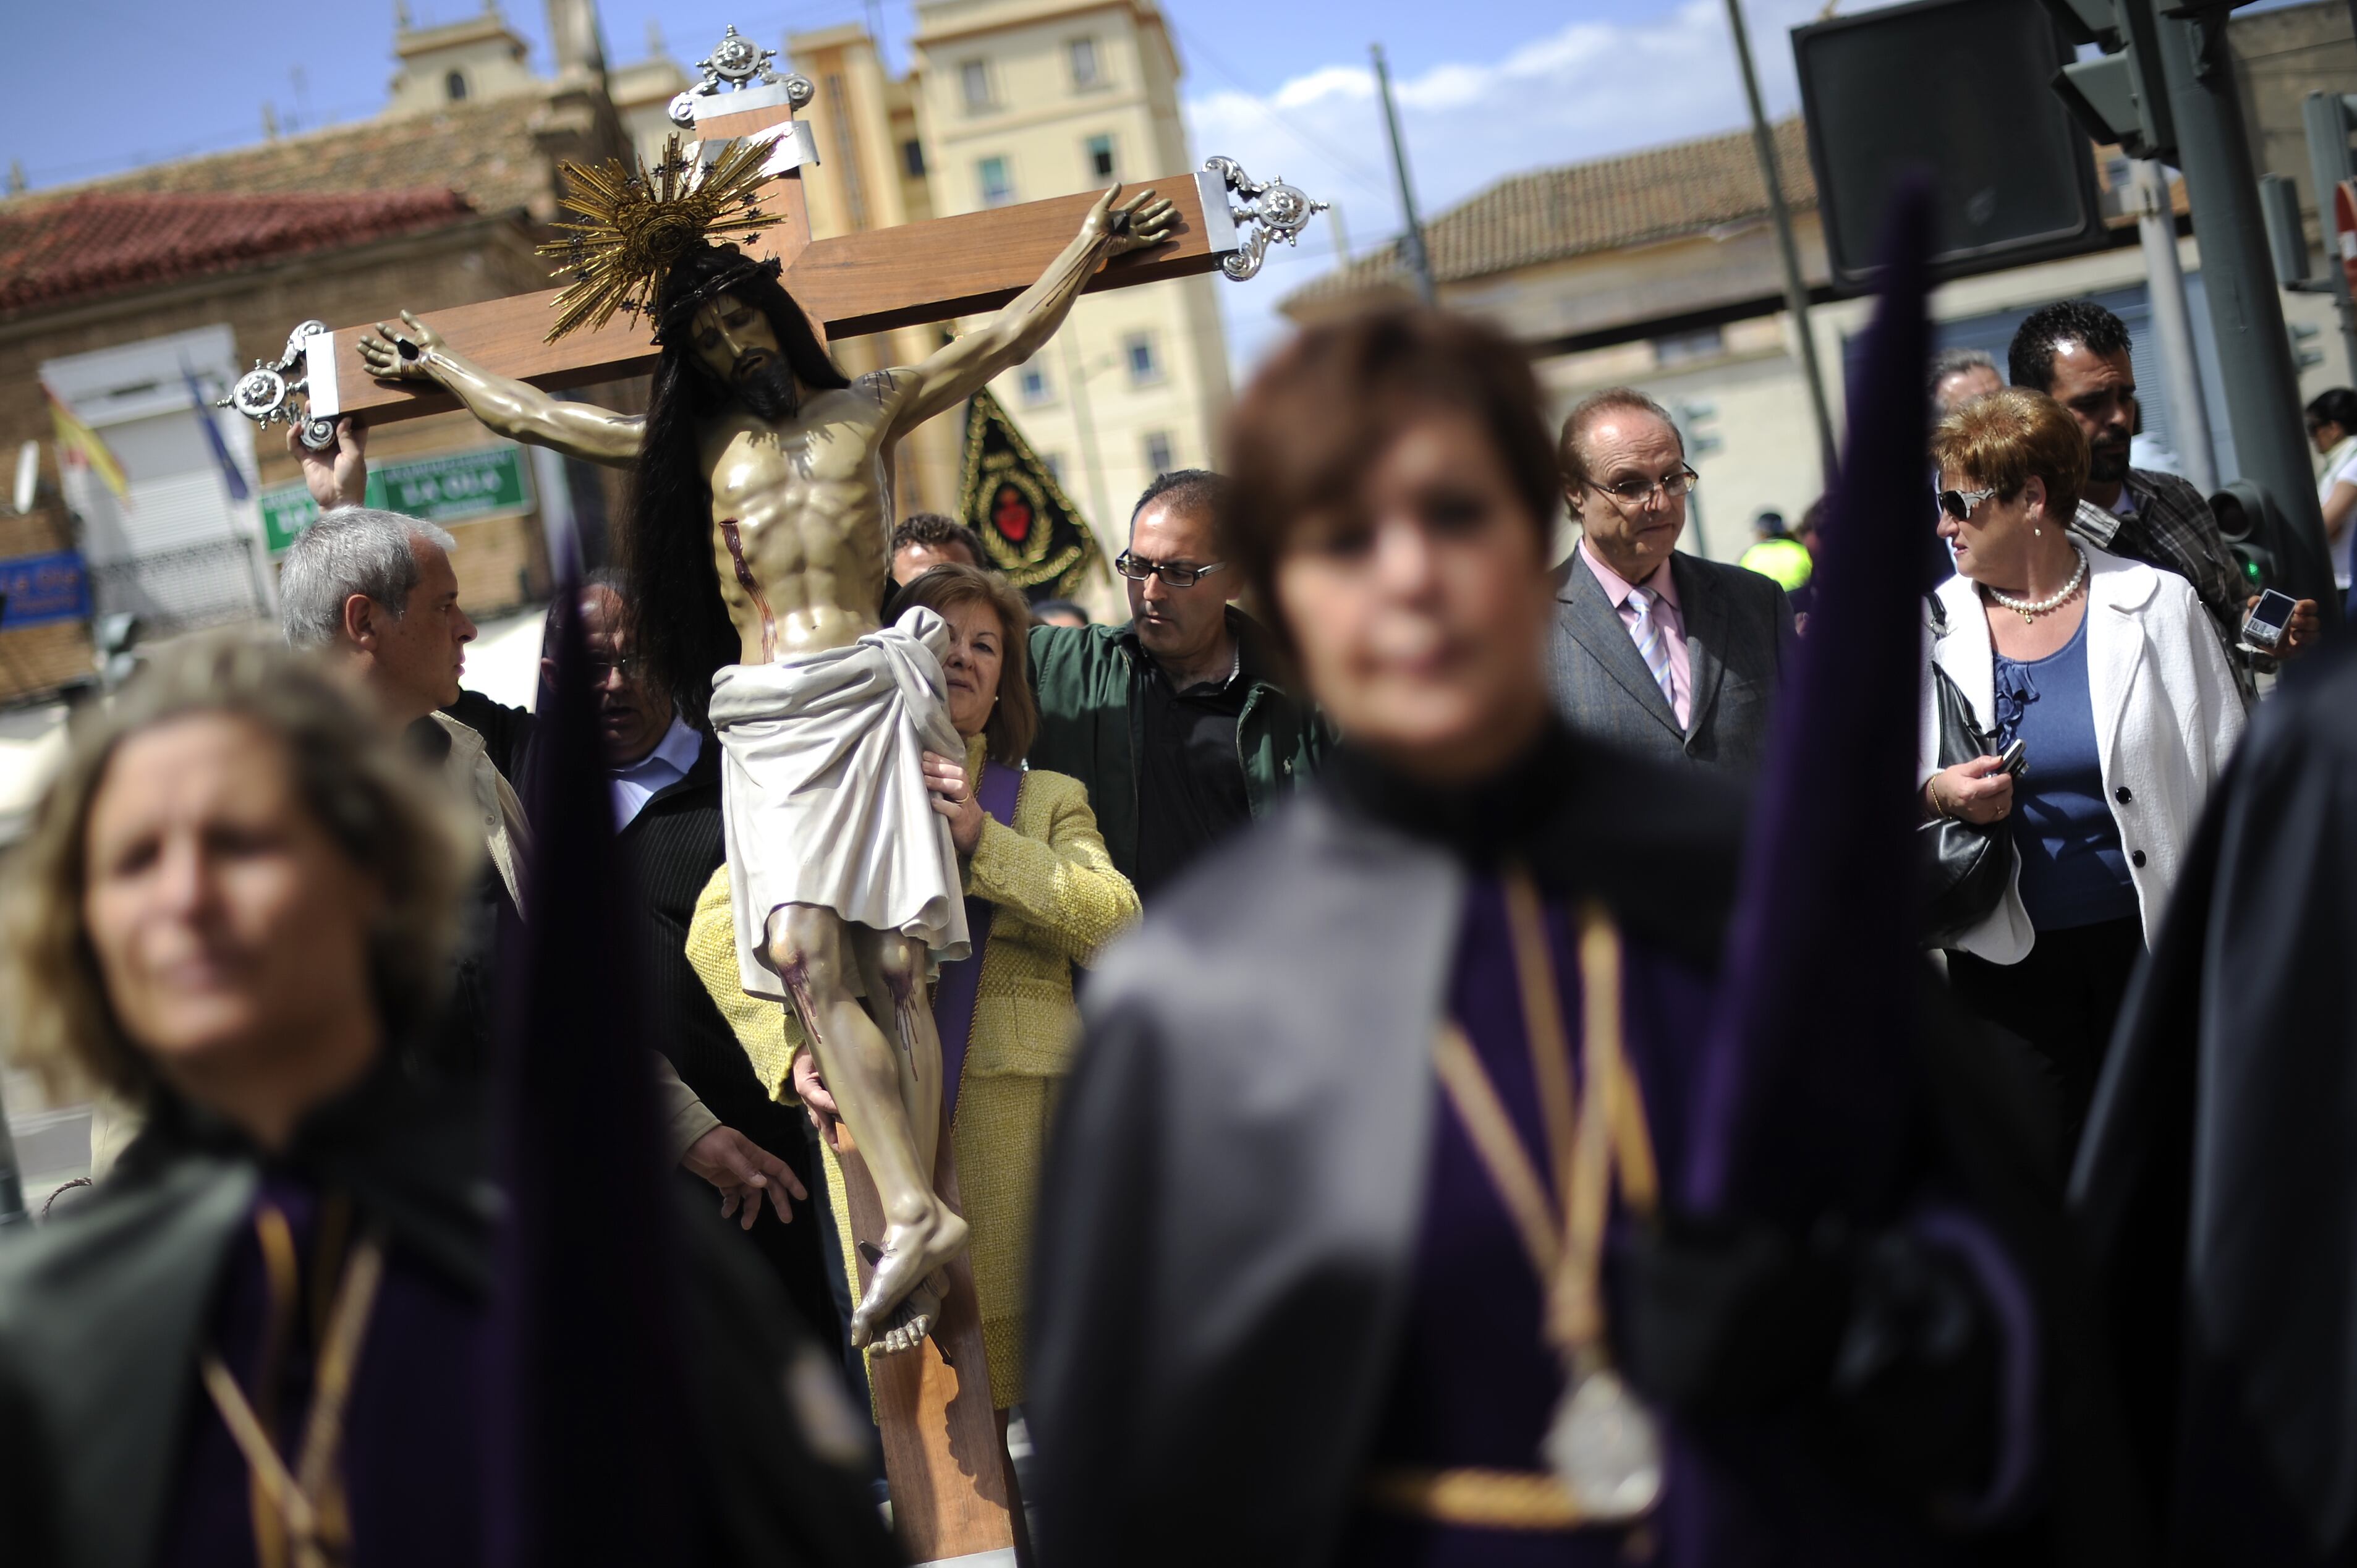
658	770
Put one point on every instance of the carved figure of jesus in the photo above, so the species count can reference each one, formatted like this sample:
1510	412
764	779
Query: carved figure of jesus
759	547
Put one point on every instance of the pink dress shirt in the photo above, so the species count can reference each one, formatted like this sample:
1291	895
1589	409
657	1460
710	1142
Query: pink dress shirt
1667	616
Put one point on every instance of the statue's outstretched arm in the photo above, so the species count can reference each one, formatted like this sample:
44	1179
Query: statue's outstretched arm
962	368
517	410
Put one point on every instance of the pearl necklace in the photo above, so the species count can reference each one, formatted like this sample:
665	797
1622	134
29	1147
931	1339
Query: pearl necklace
2031	609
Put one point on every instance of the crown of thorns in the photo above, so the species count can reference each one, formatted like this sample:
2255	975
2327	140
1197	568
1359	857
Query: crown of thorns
720	282
640	222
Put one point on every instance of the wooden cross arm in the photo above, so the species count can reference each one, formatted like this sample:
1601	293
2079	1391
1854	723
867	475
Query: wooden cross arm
853	283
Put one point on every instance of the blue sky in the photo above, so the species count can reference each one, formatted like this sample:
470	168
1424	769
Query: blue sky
1487	89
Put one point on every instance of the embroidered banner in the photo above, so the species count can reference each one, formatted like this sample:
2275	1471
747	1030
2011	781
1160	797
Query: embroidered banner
1031	527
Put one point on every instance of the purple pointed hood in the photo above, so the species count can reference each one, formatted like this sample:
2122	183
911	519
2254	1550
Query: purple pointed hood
1802	1108
588	1417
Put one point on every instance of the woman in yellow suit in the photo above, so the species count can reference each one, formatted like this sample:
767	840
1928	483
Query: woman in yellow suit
1054	899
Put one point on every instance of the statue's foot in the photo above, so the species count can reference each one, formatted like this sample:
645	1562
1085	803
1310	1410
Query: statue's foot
911	1253
916	1314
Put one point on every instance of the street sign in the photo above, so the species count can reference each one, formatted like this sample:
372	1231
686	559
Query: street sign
35	590
450	487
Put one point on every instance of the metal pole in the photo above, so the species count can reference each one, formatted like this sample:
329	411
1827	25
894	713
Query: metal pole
1419	263
2254	361
12	1181
2173	324
1796	291
2326	118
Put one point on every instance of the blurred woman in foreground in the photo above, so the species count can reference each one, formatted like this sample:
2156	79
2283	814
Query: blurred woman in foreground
1359	1239
265	1337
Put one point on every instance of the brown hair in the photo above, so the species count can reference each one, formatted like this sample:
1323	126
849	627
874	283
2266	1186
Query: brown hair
1314	419
365	791
2006	438
1014	722
1627	400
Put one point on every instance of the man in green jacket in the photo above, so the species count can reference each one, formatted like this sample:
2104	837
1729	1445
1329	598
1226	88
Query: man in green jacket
1175	721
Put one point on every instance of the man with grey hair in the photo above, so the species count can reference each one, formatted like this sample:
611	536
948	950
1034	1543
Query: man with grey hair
1658	652
375	592
1960	375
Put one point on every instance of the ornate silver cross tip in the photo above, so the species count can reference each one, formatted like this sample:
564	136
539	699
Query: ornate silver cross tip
1273	210
740	62
266	394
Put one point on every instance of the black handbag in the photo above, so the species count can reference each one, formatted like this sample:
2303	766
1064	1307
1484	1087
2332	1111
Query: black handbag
1966	866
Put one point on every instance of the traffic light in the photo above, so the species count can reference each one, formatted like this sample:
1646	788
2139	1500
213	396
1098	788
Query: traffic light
2013	179
2271	554
2241	510
2306	352
1694	420
2119	96
116	637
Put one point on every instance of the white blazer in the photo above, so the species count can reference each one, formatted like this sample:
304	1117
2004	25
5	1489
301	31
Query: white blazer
2167	710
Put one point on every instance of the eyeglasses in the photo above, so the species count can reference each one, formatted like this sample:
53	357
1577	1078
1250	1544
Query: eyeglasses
1959	504
1638	492
603	670
1136	568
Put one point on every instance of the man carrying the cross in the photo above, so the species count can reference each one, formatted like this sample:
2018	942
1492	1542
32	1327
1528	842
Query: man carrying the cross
759	546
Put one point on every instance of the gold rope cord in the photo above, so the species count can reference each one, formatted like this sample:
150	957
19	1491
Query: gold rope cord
1550	1048
309	1500
1479	1499
1566	1247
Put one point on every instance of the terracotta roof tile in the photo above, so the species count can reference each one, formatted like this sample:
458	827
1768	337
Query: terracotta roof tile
98	243
1549	215
482	150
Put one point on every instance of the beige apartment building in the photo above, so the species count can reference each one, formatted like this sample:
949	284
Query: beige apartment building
1017	100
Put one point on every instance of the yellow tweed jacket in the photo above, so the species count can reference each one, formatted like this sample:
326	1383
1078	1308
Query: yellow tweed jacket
1058	900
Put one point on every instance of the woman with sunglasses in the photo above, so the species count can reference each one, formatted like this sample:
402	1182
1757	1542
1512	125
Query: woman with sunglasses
2107	672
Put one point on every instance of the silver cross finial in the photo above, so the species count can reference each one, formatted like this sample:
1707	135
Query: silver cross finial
1273	210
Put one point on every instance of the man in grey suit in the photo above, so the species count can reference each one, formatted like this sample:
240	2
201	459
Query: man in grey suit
1669	655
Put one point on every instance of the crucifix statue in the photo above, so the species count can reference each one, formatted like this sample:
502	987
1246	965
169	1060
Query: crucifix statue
762	511
760	549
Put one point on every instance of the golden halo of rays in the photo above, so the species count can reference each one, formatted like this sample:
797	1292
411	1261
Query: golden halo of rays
639	221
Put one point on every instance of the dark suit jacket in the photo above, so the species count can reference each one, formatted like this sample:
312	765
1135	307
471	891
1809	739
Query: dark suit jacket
1739	643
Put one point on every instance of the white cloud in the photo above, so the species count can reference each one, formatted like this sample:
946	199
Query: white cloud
1589	89
1356	82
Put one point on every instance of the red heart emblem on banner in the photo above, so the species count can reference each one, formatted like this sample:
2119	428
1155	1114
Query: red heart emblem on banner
1011	515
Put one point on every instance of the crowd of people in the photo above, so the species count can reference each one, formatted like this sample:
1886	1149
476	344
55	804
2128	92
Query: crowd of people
1373	1201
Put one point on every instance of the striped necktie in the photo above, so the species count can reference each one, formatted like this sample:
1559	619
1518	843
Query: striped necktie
1651	646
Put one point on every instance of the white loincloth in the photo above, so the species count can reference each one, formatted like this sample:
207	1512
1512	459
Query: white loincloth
822	794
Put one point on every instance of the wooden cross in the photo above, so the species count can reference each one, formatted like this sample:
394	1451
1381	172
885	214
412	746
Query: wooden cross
850	284
940	1439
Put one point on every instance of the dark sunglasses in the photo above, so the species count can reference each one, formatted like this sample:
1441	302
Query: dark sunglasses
1959	504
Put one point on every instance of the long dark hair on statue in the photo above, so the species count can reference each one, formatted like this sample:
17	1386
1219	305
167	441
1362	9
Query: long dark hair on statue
682	627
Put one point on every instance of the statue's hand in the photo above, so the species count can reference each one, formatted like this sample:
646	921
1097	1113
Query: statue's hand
1134	224
400	354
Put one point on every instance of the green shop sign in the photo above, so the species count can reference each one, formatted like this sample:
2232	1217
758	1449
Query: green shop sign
456	486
